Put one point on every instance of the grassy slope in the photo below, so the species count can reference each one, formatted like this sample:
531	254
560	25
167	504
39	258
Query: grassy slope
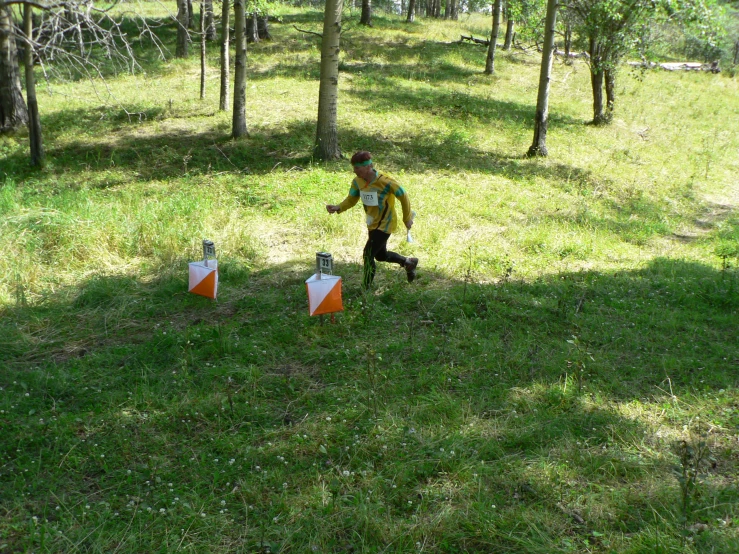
572	322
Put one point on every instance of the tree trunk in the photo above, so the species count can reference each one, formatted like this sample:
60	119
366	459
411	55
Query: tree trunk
190	16
202	49
610	78
411	11
447	9
78	34
183	37
596	82
225	55
490	61
263	28
252	28
508	34
366	18
34	123
568	41
327	136
455	9
541	122
239	113
210	23
736	52
13	111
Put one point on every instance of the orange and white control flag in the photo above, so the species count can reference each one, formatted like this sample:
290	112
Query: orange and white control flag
324	294
204	280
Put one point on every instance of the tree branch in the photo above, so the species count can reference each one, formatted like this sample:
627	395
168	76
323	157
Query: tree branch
308	32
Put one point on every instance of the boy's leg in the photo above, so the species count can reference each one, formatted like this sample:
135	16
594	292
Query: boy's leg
369	268
380	251
378	246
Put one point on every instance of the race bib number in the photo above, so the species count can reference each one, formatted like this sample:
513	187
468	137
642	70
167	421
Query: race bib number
369	198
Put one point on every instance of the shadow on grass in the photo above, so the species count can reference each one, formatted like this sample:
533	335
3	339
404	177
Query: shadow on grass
456	106
471	378
671	310
178	155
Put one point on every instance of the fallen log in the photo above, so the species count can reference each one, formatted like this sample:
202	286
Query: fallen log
475	40
679	66
571	55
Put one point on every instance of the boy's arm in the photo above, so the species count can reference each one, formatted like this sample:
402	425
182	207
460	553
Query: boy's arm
351	199
347	203
405	201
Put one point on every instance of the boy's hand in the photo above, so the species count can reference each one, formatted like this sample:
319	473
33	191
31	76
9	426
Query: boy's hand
332	208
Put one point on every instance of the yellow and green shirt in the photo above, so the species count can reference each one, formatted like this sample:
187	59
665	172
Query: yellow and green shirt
378	198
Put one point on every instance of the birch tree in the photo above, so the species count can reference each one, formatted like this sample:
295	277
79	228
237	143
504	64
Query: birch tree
509	26
73	38
203	38
34	123
210	24
13	109
225	55
366	17
183	35
609	28
539	145
239	107
327	136
490	60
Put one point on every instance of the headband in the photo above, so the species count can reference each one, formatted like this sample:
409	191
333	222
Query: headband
360	164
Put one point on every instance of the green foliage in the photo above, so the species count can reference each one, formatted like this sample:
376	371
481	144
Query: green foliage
609	29
529	18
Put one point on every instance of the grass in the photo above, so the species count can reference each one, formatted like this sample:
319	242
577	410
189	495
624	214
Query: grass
570	341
